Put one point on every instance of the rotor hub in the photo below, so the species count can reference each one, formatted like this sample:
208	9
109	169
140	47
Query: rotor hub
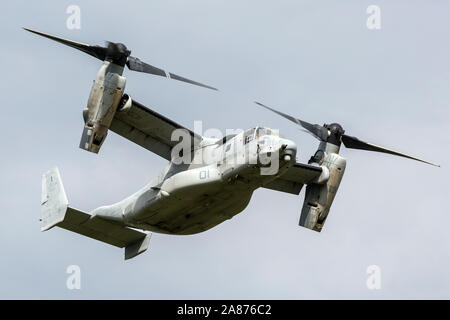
117	53
335	132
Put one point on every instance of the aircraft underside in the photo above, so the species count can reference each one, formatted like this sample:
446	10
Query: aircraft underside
192	216
191	211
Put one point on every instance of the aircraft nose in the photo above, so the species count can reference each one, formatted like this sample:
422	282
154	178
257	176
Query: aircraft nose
288	149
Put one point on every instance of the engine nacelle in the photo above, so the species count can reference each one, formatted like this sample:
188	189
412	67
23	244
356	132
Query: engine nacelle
319	196
106	93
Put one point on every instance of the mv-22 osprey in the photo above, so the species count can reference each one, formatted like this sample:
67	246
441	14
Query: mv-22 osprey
214	184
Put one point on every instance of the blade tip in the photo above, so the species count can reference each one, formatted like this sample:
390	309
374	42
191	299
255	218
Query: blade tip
433	164
30	30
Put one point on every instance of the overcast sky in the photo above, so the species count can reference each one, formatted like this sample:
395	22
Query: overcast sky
313	59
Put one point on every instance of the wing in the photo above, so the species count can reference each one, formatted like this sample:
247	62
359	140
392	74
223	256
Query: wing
294	178
148	128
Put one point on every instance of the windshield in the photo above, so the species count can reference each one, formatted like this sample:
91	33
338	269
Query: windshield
266	131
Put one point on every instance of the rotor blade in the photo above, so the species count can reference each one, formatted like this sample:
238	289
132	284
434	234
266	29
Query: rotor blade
135	64
306	131
355	143
316	130
95	51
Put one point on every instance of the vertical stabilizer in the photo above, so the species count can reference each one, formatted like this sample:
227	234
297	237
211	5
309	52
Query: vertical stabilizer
54	201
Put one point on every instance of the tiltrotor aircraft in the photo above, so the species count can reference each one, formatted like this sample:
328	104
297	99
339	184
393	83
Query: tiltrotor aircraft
206	181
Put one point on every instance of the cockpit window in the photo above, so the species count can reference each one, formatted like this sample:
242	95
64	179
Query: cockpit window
262	132
267	132
248	135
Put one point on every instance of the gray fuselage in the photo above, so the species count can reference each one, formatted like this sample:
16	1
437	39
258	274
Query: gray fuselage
216	185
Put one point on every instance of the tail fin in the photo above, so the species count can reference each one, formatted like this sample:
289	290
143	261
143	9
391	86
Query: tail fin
54	202
56	212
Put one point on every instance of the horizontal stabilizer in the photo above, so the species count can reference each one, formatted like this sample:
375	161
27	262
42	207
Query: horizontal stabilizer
56	212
